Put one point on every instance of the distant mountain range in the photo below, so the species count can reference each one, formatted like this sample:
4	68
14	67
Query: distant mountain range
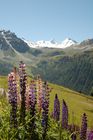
68	63
51	44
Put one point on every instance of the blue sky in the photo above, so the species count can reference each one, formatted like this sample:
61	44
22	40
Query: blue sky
48	19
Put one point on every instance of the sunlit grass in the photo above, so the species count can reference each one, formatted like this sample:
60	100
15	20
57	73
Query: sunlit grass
3	82
77	104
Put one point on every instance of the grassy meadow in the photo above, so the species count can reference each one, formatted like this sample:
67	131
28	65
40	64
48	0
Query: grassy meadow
3	82
77	103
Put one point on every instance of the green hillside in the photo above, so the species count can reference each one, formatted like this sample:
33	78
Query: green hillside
77	103
74	72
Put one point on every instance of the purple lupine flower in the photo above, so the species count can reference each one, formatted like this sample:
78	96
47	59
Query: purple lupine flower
64	115
12	92
39	94
56	114
45	109
83	127
90	135
32	109
27	96
23	79
32	103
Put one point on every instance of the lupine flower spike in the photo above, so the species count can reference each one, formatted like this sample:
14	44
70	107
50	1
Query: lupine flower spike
56	113
39	94
23	79
83	127
27	95
32	103
12	92
32	108
64	115
45	109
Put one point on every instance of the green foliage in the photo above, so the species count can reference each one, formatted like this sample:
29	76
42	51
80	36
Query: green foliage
55	131
74	72
4	118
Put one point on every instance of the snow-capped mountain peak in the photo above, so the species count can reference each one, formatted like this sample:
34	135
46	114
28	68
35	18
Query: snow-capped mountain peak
68	42
51	44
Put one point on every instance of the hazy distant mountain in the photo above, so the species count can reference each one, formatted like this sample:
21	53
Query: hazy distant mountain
87	42
67	63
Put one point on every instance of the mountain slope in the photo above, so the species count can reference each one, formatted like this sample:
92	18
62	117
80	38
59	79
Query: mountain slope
10	40
71	66
13	50
75	71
